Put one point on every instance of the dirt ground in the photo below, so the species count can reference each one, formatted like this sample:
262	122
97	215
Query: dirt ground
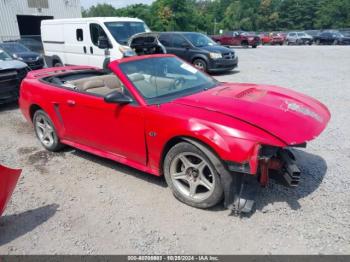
76	203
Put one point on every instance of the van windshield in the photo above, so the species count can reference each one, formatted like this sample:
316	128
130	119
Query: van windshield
122	31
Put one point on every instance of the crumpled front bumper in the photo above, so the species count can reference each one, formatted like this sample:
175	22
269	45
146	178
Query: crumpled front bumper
8	181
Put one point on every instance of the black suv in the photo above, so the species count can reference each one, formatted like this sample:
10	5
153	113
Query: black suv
332	38
20	52
196	48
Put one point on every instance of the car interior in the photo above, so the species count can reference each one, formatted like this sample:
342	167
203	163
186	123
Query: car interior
97	82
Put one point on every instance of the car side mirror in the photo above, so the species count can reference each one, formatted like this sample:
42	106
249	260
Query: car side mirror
103	42
117	97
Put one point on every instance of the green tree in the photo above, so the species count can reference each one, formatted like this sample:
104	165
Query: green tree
333	14
104	10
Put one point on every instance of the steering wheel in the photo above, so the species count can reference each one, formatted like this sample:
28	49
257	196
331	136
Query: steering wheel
179	82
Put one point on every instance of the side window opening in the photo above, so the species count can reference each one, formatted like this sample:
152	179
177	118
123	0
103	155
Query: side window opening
165	40
80	35
95	32
178	40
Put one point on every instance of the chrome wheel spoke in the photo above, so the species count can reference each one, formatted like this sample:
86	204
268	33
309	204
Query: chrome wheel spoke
40	125
205	182
201	166
185	161
193	189
50	137
180	175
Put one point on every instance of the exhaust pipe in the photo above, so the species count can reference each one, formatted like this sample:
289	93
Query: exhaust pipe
291	173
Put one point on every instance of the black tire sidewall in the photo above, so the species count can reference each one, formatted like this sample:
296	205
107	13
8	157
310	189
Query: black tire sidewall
217	194
57	144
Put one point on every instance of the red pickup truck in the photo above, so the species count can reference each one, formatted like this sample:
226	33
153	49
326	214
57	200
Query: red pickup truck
237	38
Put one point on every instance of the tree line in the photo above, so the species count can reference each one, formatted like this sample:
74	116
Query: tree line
210	16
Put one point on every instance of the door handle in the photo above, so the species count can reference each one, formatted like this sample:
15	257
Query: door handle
84	49
71	102
91	50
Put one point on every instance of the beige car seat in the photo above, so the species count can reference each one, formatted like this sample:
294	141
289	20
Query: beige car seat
101	85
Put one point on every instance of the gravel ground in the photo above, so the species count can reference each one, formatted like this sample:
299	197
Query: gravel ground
76	203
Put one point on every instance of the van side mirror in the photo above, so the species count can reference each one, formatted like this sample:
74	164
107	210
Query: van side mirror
117	97
103	42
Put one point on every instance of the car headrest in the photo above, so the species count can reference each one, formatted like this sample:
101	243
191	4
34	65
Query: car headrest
136	77
94	83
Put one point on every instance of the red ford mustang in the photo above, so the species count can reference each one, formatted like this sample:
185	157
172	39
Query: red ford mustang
160	115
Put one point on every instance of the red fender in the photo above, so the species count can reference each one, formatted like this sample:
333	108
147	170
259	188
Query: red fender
8	181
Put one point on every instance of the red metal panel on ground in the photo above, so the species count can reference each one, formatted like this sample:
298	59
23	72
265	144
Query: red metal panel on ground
8	181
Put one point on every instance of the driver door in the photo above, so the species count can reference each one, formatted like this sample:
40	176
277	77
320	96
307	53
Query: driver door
97	55
111	128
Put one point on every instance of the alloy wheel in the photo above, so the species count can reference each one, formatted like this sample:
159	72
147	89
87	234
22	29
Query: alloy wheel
199	65
45	131
192	176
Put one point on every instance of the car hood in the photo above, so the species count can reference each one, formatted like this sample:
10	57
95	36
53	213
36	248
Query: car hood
26	55
217	49
11	64
292	117
8	181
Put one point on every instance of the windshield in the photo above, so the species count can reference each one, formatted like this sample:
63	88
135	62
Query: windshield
122	31
14	48
301	34
199	40
4	56
163	79
337	35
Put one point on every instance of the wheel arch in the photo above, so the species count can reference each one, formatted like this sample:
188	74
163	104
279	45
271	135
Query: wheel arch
203	146
56	58
32	109
200	56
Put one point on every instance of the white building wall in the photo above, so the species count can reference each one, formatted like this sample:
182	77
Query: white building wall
9	9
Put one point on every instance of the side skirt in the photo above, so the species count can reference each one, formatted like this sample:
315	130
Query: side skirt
111	156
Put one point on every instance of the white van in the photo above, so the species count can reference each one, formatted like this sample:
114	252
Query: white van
90	41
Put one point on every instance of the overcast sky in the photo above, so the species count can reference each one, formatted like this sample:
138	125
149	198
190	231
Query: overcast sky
115	3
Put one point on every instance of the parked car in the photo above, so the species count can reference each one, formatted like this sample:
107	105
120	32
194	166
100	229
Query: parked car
11	74
91	41
195	48
32	44
237	38
20	52
331	38
8	180
299	38
163	116
272	38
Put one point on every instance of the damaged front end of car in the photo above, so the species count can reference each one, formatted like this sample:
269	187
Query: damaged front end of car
241	183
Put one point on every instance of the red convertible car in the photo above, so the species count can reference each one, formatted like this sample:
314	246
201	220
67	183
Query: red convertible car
158	114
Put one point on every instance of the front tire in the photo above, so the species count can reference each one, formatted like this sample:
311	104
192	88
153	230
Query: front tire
46	132
200	64
192	177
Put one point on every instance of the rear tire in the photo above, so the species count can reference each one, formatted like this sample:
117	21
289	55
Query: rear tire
192	177
45	131
56	63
